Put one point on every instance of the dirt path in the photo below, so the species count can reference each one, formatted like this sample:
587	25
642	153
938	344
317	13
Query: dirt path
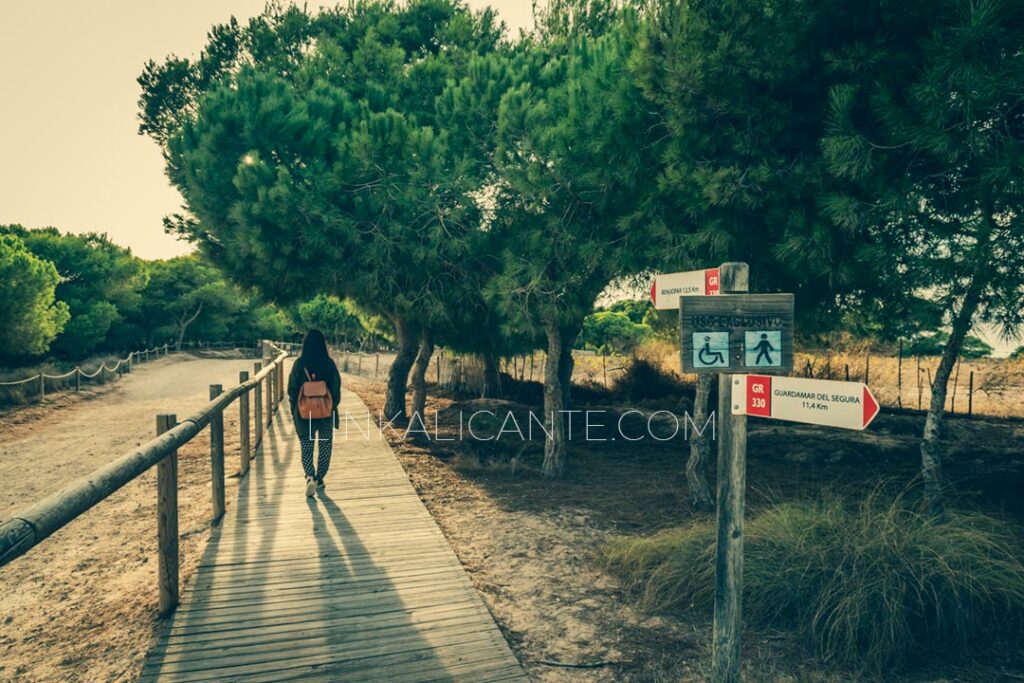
81	606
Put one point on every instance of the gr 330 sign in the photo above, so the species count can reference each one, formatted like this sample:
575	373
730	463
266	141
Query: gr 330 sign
737	333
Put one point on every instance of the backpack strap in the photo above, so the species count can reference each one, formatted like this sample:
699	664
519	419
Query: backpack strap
308	376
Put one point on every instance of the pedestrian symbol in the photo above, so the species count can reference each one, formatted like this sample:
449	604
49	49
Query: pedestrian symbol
763	349
711	349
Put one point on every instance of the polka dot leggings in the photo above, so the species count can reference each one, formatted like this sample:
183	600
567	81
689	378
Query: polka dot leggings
311	431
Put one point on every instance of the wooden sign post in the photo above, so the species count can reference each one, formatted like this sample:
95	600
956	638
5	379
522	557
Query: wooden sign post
727	334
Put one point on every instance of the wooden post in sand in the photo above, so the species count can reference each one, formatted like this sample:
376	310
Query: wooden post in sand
217	456
257	402
732	483
243	425
167	522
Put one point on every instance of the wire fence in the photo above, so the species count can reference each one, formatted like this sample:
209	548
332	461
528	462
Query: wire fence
36	387
991	387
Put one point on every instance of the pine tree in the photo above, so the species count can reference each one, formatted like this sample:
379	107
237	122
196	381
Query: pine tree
930	134
310	157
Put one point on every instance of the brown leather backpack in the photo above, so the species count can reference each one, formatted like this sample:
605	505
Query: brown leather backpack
315	401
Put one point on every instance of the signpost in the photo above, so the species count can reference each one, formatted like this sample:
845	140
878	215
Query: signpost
847	405
733	335
736	333
667	288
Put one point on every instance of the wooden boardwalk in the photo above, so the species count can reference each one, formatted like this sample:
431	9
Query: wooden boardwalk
358	584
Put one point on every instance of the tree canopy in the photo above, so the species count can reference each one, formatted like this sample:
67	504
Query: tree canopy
30	316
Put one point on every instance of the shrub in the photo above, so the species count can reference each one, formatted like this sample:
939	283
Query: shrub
875	586
642	380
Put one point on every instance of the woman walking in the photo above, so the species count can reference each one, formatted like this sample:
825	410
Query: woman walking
314	391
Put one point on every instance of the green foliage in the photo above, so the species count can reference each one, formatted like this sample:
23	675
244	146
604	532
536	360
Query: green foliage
30	317
611	331
742	88
1018	353
636	310
100	282
576	157
873	587
934	344
337	319
924	131
314	155
261	321
187	298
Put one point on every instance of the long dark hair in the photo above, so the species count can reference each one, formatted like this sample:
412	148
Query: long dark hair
314	356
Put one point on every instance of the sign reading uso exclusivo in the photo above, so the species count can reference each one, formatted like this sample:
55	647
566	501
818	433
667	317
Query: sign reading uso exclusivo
736	333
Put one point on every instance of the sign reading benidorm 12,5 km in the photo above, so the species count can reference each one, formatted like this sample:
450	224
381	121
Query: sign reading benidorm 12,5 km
668	287
737	333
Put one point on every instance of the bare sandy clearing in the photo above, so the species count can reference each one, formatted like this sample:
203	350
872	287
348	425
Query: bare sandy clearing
82	606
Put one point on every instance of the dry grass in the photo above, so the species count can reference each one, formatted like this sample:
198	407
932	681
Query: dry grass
875	586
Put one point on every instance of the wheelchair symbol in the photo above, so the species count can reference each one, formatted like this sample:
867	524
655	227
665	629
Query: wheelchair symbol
710	349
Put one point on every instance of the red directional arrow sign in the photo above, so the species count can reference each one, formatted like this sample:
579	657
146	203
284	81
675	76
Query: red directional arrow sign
668	287
848	405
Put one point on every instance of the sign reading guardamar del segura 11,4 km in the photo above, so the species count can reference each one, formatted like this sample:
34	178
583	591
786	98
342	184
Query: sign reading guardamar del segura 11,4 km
848	405
668	287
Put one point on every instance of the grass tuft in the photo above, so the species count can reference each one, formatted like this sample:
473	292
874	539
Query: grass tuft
872	586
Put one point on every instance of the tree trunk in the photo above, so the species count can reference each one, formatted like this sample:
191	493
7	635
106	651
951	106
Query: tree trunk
554	404
931	441
183	325
492	377
566	363
398	374
700	448
419	377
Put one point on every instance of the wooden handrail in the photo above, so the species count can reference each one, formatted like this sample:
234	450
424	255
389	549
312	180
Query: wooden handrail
35	523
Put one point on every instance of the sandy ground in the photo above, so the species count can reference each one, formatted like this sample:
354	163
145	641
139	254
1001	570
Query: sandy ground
532	546
82	605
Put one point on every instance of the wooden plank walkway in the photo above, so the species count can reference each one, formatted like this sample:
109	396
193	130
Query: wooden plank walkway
358	584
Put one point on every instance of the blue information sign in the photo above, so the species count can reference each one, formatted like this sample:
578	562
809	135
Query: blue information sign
763	348
710	349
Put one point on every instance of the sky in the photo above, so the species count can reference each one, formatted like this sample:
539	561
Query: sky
70	153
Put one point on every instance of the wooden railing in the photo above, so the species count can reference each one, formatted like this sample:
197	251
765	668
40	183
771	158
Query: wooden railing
35	523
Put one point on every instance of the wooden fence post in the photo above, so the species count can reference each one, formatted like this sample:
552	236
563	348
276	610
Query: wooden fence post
376	367
921	389
167	522
846	371
970	393
42	386
867	369
243	425
269	416
78	378
956	381
899	375
131	357
732	482
257	402
217	456
280	382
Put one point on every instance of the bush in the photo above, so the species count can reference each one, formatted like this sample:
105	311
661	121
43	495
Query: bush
872	587
642	380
